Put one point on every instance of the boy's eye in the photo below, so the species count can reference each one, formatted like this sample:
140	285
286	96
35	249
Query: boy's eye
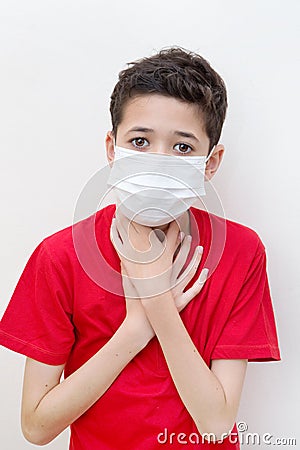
141	142
183	148
138	142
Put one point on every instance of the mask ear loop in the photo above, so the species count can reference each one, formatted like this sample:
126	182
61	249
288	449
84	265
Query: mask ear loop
210	153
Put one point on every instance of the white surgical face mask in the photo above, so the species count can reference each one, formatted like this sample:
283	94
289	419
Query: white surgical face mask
152	188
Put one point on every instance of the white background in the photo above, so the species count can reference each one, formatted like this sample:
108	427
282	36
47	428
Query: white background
59	63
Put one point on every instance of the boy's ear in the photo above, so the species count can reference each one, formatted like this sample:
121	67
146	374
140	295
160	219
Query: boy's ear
214	161
109	144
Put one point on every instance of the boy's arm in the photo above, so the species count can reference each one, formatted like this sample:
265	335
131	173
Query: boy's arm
48	406
211	396
44	410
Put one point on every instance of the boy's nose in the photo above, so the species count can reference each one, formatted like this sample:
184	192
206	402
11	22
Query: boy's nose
162	150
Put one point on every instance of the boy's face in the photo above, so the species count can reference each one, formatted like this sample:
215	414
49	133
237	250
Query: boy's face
160	124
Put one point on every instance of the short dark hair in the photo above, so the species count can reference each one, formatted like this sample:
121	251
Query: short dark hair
178	73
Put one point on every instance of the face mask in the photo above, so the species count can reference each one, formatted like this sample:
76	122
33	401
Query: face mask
155	189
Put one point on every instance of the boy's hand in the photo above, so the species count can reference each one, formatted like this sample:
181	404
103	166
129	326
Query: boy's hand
136	317
180	282
147	261
132	243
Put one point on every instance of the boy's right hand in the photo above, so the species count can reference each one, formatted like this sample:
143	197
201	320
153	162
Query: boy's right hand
136	316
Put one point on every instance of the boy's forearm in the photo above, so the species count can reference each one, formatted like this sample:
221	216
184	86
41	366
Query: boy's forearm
198	387
67	401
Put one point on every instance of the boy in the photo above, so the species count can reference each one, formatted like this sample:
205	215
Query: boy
158	356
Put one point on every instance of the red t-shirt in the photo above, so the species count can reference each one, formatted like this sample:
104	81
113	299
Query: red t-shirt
68	303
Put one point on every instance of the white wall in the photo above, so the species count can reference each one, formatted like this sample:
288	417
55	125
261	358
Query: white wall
59	62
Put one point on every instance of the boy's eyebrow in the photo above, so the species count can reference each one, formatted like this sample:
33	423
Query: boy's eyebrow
177	132
186	134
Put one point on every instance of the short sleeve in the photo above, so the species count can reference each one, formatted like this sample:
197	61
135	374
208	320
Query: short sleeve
38	319
250	331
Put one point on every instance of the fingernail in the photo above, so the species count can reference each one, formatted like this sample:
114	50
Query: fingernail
182	235
203	276
200	249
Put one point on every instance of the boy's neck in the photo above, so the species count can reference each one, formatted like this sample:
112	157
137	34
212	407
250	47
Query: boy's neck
183	222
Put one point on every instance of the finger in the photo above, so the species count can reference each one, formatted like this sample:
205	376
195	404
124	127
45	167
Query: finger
137	226
182	255
172	236
193	290
120	221
191	269
114	236
123	269
155	242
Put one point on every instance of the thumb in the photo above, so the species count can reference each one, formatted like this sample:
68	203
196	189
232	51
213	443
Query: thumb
173	235
123	269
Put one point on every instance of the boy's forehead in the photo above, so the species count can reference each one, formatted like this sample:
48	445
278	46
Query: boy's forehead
149	109
142	101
